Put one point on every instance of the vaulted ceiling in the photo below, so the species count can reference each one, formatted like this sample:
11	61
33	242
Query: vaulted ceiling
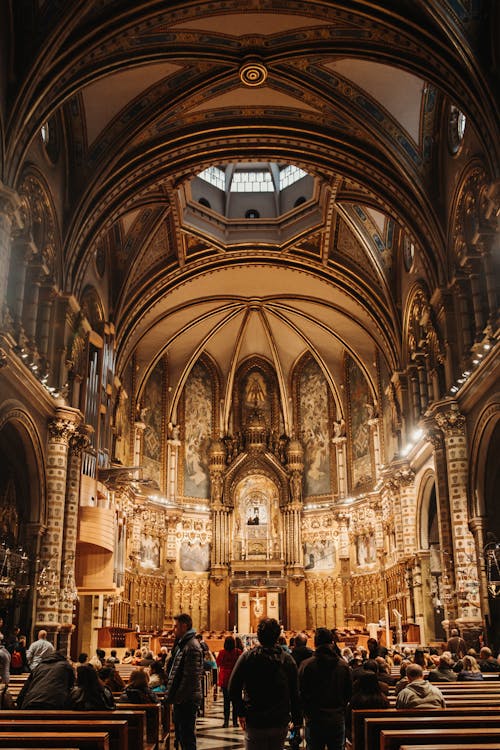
148	94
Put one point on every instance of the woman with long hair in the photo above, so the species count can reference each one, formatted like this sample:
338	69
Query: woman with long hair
470	671
137	689
89	694
226	659
367	694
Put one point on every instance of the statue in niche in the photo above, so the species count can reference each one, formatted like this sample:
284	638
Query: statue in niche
255	390
296	486
339	429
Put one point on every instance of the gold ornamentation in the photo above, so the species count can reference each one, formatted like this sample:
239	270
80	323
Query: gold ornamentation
253	73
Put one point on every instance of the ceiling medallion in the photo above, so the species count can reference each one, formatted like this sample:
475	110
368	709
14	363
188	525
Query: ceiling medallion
253	73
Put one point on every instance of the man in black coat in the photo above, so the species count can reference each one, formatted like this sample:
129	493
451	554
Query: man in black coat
185	672
325	685
300	650
267	676
49	685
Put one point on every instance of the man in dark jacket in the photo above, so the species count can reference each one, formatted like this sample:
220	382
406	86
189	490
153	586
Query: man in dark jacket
49	685
300	650
185	672
444	671
264	687
325	684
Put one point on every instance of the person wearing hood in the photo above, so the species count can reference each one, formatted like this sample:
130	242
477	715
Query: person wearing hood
325	685
419	693
184	679
267	678
49	685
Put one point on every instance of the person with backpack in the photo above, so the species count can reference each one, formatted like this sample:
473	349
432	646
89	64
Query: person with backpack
325	683
264	687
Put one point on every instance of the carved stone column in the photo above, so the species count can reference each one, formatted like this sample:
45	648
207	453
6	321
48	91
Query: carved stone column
173	445
61	428
341	454
77	443
139	428
374	428
405	482
9	218
452	424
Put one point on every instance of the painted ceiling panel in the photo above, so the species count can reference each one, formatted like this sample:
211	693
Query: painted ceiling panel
239	24
378	217
264	96
398	91
107	96
128	220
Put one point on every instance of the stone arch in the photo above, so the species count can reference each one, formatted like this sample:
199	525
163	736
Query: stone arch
425	492
15	417
485	428
40	221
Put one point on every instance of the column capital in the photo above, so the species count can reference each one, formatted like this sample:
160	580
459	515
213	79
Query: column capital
451	421
64	424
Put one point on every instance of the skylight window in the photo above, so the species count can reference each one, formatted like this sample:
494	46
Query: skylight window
214	176
289	175
252	182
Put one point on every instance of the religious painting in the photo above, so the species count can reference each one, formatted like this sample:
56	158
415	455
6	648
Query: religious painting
319	556
361	410
149	552
198	430
366	551
313	400
256	396
256	518
194	557
151	415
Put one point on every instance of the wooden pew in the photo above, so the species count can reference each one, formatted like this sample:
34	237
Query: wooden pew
135	718
116	730
153	720
420	721
90	741
393	739
407	716
481	746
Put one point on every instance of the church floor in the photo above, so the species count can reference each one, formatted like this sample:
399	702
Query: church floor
210	733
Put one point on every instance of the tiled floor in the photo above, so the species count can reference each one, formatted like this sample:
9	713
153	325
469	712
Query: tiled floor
210	733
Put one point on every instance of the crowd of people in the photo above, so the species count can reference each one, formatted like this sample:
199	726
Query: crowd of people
273	688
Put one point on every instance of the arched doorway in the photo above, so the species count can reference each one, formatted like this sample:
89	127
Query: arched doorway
432	566
20	490
491	494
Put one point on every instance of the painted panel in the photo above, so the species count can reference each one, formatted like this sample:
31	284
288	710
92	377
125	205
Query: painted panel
194	557
152	416
319	556
198	428
313	396
360	405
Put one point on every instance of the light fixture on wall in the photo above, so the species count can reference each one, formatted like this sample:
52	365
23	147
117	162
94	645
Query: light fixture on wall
69	591
48	584
491	553
13	571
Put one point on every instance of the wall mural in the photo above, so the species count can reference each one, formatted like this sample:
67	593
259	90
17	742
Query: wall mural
361	409
256	396
313	400
319	556
366	551
194	557
151	414
198	429
149	552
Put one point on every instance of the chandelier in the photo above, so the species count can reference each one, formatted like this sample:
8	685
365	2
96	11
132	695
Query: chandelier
13	571
492	557
48	586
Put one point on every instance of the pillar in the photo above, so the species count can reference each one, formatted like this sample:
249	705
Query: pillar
77	443
452	424
173	445
341	454
24	250
60	428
